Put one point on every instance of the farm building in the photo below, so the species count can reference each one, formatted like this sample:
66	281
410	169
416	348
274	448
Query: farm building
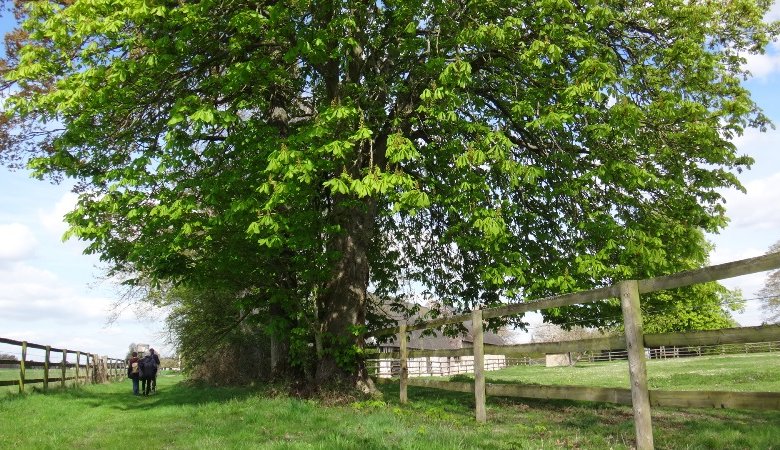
435	365
142	349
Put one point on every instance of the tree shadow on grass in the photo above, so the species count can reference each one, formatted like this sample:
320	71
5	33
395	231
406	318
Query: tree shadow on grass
178	393
524	422
712	428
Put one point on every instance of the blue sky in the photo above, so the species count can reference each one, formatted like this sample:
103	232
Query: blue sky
50	293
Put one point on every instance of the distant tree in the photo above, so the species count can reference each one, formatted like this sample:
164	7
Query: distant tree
549	332
168	362
130	349
700	307
9	356
770	293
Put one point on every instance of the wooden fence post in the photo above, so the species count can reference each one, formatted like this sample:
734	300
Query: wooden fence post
78	361
21	367
640	398
64	367
479	365
404	365
46	369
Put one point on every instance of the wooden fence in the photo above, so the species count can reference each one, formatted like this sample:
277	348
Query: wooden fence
442	366
88	367
437	366
633	342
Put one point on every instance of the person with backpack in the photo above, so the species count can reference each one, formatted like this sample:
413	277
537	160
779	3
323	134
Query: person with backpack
148	372
133	371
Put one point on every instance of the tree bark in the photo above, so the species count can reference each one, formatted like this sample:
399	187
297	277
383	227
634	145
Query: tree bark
342	306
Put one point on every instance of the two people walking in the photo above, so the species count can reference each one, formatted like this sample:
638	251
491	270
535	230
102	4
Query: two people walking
145	371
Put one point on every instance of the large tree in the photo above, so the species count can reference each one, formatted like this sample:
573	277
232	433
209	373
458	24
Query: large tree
480	151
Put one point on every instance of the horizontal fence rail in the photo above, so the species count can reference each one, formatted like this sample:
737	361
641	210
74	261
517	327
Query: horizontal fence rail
682	279
620	396
85	368
762	333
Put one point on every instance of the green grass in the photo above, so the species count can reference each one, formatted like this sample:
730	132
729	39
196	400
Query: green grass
182	416
754	372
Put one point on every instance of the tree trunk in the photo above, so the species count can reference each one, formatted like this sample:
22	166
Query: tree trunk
342	306
279	344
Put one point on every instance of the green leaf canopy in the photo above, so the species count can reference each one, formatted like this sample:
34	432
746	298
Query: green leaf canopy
478	151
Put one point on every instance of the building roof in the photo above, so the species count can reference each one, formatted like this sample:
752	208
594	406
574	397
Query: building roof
438	341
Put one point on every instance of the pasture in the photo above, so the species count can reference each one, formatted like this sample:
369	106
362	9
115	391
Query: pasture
744	373
189	416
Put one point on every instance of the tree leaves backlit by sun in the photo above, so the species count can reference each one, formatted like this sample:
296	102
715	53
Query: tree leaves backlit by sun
291	154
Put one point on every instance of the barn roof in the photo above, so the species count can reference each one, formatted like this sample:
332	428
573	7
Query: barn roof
438	341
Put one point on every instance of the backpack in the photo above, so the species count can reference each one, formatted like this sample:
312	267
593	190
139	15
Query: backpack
134	367
148	367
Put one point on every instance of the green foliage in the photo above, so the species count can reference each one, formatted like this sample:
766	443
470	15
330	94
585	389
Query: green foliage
344	351
700	307
369	404
214	345
462	378
296	152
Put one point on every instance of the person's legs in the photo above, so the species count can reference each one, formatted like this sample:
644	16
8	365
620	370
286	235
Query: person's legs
154	384
135	386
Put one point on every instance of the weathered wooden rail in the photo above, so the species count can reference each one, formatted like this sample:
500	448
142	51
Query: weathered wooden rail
95	369
634	342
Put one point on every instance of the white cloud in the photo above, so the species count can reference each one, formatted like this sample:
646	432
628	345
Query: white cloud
773	13
39	306
756	211
762	66
31	294
722	255
53	220
17	242
753	140
748	284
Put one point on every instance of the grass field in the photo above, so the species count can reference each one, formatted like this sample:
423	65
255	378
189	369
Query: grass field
186	416
758	372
